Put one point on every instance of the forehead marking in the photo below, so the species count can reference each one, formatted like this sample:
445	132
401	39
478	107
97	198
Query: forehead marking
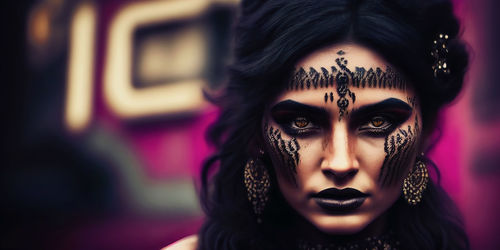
358	77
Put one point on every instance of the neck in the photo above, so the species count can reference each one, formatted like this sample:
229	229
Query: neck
305	231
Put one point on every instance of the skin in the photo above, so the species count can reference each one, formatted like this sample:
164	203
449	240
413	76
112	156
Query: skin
337	146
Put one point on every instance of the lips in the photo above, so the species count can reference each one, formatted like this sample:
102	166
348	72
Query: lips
335	200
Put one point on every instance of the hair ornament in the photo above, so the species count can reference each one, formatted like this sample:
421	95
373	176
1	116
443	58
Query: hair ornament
440	54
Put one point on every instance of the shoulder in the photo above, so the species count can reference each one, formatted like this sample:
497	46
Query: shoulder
186	243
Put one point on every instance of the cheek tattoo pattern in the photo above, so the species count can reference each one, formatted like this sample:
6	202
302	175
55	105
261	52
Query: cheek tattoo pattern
285	151
345	78
400	148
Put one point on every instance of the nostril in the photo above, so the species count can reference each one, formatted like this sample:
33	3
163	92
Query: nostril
338	170
349	173
340	174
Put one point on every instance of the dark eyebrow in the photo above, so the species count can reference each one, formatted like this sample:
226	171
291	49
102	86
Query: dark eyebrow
389	103
289	105
394	104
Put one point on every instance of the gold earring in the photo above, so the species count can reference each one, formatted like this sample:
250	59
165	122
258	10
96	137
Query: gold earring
257	183
415	183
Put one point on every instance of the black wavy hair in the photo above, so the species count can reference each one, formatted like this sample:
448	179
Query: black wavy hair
270	37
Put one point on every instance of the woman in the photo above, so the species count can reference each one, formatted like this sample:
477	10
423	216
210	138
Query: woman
325	122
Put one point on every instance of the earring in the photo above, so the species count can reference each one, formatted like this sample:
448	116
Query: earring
415	184
257	183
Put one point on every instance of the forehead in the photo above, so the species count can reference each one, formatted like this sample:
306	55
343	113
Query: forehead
362	67
356	56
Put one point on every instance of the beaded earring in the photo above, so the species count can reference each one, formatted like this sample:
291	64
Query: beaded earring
257	183
415	183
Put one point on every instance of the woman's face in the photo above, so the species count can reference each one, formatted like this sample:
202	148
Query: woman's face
342	137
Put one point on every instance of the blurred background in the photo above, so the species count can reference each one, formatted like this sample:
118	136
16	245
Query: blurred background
105	121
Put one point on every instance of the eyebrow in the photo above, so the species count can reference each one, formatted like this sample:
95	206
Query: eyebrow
289	105
387	104
357	114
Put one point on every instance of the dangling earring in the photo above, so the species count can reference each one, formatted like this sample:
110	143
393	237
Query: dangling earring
415	183
257	183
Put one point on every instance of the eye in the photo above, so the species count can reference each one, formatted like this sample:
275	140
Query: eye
301	122
299	125
377	121
377	126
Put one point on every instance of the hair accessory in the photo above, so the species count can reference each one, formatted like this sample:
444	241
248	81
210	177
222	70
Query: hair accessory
415	184
257	183
440	54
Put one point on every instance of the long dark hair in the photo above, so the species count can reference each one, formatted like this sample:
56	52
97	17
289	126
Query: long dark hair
270	37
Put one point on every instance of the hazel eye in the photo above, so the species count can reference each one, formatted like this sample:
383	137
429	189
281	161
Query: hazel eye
301	122
298	124
378	126
377	121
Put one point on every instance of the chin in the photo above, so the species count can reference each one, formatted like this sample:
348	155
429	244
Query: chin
340	224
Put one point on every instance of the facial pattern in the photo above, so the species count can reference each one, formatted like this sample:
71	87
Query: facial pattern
412	101
400	148
328	97
344	79
286	151
344	111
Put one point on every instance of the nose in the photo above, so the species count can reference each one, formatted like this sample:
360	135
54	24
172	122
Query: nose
339	161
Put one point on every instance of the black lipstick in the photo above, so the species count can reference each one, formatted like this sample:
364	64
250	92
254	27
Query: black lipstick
337	201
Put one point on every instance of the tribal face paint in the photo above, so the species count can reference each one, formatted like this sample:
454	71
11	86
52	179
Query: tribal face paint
342	78
400	149
328	97
342	122
287	151
360	77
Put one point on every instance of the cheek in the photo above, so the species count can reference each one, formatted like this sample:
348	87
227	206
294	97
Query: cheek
310	156
307	167
400	151
370	155
284	152
308	173
387	160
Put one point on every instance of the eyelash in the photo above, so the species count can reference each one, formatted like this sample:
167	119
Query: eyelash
370	129
289	125
389	123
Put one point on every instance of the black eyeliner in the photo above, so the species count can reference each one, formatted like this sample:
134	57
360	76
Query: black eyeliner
286	112
393	110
